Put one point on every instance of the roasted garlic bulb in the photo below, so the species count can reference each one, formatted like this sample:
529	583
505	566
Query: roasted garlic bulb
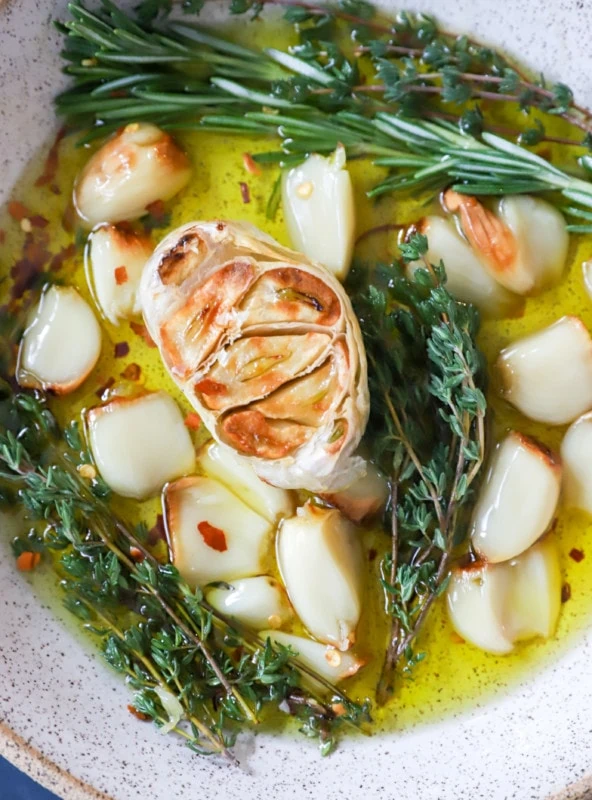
266	347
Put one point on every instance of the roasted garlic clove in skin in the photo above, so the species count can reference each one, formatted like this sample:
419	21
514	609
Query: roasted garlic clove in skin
137	166
318	203
259	602
140	443
320	561
517	500
365	498
116	256
548	375
266	347
493	606
331	664
576	453
212	534
61	344
235	472
467	278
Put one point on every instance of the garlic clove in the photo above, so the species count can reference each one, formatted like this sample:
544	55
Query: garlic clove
212	534
138	166
548	375
326	661
587	276
140	443
235	472
115	260
576	454
542	242
320	561
259	602
534	600
318	202
467	278
61	344
365	498
517	500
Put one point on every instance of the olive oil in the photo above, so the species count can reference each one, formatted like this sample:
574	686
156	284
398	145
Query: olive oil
454	676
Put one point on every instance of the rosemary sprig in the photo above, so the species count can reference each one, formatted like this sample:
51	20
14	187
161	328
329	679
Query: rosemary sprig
191	671
427	431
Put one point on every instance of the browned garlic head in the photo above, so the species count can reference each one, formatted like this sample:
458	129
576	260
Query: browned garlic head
266	347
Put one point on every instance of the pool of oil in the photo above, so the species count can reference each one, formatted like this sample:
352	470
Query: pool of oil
454	676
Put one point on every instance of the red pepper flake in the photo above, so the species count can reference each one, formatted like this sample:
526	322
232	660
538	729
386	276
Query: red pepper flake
245	194
138	714
121	275
121	349
251	165
192	421
565	593
69	218
50	167
27	269
158	531
17	210
157	210
105	388
141	330
27	561
454	637
57	262
136	554
577	555
2	236
212	536
372	554
132	372
37	221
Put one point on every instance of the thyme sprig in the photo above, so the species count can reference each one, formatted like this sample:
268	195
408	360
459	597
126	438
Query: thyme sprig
191	671
426	430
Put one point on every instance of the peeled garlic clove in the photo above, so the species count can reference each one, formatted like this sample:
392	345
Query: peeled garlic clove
476	598
115	260
212	534
257	602
548	375
138	166
587	275
326	661
467	278
542	242
534	599
140	443
576	454
318	203
320	560
226	466
517	500
61	344
365	498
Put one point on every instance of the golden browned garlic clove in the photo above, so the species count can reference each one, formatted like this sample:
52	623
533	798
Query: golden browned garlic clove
318	203
576	453
328	662
61	344
320	560
116	256
365	498
259	602
548	375
140	443
212	534
136	167
517	500
267	348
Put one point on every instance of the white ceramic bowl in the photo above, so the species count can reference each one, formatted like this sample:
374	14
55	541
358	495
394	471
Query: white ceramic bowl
63	714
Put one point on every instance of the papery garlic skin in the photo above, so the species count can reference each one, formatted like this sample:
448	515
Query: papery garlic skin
318	203
223	464
115	259
258	602
365	498
467	279
137	166
576	453
140	443
548	375
213	535
331	664
320	560
517	500
61	344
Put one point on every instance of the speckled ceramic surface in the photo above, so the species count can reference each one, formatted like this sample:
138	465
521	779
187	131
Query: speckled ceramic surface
63	714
